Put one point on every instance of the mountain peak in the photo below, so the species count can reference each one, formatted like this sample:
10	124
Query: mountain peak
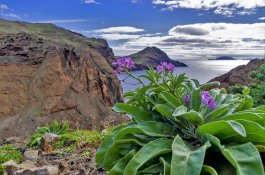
152	56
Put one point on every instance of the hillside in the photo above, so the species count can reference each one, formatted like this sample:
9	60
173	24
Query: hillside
48	73
239	75
152	56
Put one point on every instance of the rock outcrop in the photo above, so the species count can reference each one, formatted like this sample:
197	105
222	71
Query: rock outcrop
152	56
240	74
48	73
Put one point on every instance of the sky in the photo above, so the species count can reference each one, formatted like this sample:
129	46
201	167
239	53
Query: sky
184	29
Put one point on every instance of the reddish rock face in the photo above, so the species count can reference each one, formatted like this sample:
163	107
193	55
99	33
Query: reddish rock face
42	81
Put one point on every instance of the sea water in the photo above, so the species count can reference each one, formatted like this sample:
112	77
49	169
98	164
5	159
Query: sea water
202	70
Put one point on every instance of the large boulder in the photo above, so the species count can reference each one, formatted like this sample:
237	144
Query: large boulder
48	73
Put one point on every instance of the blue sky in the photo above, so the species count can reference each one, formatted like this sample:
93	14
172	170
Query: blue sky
182	28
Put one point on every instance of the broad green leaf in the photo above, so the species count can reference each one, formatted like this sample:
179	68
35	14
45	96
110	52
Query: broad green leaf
166	165
255	133
180	111
262	108
246	91
138	114
153	169
170	99
244	157
118	150
187	160
105	145
153	129
193	117
217	113
164	110
222	129
243	115
196	99
207	170
149	151
121	164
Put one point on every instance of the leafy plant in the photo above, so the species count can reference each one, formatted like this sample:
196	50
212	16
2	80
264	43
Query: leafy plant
55	128
179	128
257	88
7	152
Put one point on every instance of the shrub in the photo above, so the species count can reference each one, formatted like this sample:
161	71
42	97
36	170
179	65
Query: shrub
178	128
54	128
257	89
7	152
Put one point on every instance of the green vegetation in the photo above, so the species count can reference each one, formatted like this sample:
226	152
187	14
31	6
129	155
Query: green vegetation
50	32
179	128
257	89
7	152
54	128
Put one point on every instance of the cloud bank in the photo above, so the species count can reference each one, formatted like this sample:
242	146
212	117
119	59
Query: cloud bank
222	7
201	40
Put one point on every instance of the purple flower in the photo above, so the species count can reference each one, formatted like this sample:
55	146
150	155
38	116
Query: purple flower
186	98
207	99
164	66
123	63
212	104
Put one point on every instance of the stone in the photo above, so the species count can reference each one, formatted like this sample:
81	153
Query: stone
26	165
47	140
43	79
44	170
11	166
31	155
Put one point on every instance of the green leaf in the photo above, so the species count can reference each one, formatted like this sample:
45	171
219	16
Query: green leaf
196	99
207	170
149	151
121	164
244	157
242	115
255	133
166	165
246	91
118	150
164	110
217	113
180	111
153	129
170	99
138	114
105	145
222	129
187	160
193	117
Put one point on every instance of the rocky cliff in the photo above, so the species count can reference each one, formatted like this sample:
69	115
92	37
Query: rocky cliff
48	73
240	74
152	56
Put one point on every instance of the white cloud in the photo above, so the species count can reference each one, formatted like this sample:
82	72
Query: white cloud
136	1
119	36
121	29
12	15
223	7
3	7
202	40
6	12
65	21
262	18
90	1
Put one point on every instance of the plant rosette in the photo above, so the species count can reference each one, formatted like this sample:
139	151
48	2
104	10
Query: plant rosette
180	128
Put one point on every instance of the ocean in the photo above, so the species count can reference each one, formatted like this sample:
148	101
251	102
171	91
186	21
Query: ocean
202	70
